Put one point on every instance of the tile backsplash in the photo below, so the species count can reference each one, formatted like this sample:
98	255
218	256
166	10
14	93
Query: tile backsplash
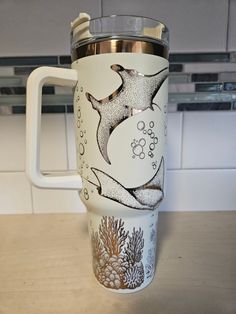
197	81
201	165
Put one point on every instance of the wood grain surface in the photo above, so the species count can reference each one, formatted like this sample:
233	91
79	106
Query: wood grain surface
45	267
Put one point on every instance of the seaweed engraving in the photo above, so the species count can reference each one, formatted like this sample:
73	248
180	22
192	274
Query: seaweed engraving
150	266
117	255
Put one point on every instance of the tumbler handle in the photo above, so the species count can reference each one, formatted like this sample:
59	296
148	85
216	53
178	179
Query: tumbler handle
36	80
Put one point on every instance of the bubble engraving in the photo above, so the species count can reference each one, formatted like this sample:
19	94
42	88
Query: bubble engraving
150	138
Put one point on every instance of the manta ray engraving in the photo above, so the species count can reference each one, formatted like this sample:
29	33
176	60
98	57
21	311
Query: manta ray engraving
135	94
147	196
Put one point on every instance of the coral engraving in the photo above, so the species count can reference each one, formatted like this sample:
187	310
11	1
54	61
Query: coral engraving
135	94
117	256
151	256
147	196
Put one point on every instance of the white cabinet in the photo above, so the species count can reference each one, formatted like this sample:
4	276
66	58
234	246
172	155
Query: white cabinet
43	27
195	25
232	26
40	27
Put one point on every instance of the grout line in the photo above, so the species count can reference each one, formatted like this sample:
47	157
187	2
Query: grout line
101	7
227	27
182	140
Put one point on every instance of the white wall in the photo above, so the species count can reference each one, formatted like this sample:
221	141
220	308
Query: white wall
40	27
43	27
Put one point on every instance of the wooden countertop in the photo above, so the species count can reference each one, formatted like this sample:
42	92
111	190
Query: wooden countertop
45	267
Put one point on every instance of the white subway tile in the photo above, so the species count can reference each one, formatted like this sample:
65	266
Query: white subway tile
174	140
15	194
200	190
209	140
53	142
12	143
232	27
195	26
71	142
56	201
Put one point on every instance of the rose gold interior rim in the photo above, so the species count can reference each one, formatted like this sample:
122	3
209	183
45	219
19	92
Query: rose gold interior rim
121	45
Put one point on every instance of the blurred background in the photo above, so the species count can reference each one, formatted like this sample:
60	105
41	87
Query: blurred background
202	99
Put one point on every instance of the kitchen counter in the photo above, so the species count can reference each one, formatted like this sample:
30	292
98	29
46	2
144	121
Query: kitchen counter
45	267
